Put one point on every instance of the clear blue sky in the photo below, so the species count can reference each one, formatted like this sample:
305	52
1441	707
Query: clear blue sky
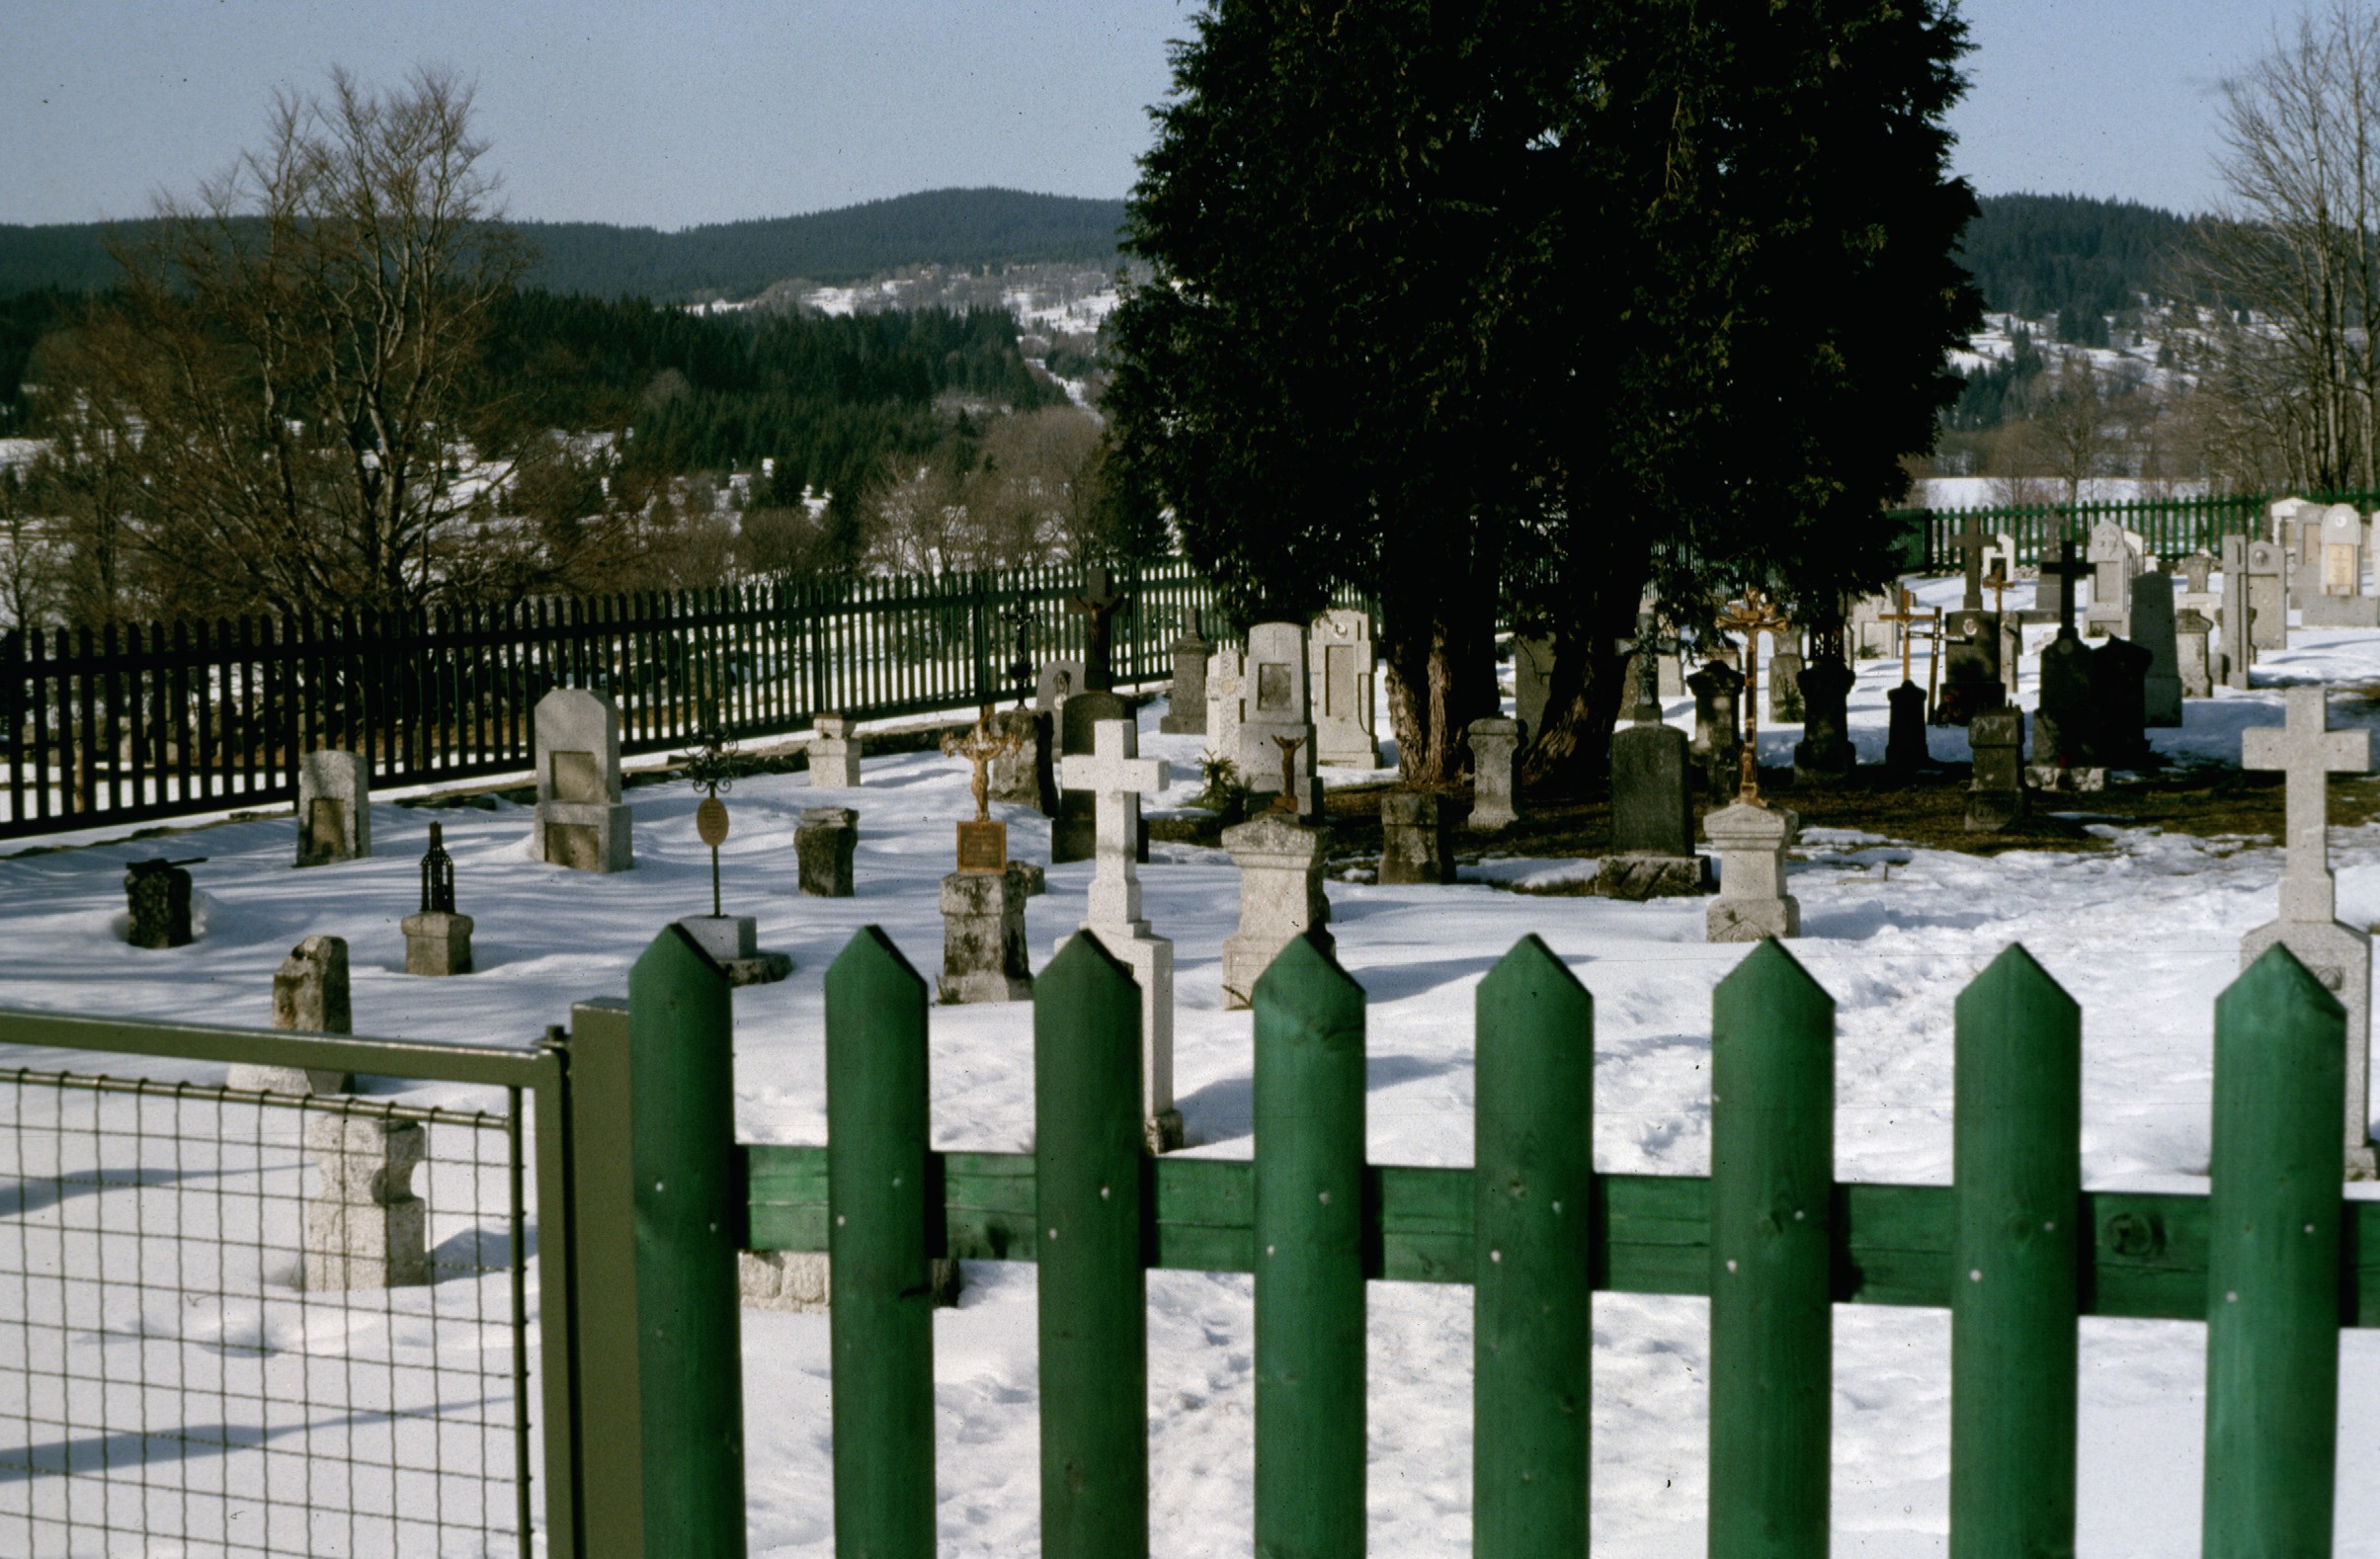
672	113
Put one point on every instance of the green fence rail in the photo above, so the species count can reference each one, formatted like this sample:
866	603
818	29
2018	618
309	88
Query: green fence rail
2274	1260
2171	526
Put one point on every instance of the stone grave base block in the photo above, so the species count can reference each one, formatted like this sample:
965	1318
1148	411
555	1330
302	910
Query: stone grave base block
437	942
584	836
800	1280
983	939
1640	878
1753	903
825	843
1963	701
2161	701
1247	957
1995	811
2341	957
290	1080
366	1246
732	942
1029	875
2078	779
1751	920
1151	960
2341	611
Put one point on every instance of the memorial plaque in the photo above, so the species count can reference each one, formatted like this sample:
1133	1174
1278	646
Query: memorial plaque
710	822
2339	575
577	845
326	829
1339	679
578	777
983	847
1273	686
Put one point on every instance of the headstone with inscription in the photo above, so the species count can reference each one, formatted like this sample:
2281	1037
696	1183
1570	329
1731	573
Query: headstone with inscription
2341	601
1340	661
2114	563
334	807
1995	795
1186	699
2154	629
1275	704
580	821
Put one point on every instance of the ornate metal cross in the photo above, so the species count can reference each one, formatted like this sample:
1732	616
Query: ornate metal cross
1906	614
1099	602
979	747
1020	669
712	768
1752	616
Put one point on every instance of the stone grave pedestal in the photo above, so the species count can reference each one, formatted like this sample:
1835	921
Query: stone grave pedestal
1415	845
824	843
1996	797
365	1228
1186	701
437	942
334	807
580	821
1753	903
2114	563
1492	742
733	944
309	996
834	753
983	938
1281	897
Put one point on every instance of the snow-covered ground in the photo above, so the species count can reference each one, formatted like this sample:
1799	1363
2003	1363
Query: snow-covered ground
2145	934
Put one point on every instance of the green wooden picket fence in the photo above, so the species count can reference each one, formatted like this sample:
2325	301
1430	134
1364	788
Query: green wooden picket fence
2273	1259
2171	527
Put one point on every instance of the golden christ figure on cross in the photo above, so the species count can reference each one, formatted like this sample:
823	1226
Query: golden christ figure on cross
1752	616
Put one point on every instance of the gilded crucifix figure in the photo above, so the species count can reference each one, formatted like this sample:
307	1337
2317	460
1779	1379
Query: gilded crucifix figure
979	747
1752	616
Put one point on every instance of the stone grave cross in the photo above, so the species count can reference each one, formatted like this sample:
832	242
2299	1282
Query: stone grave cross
1752	616
1905	617
1116	778
1099	603
2308	753
2067	569
1973	540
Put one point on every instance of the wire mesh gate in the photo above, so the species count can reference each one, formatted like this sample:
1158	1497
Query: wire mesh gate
241	1322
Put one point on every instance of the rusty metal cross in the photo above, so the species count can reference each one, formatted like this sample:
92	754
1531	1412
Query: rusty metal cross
979	747
1752	616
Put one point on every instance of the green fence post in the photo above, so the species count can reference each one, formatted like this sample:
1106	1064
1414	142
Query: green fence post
881	1315
2015	1153
2272	1264
1771	1318
1088	1169
1309	1262
1530	1189
657	1216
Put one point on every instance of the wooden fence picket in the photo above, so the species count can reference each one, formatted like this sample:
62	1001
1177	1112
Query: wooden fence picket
1771	1220
1089	1167
1310	1438
2016	1175
1533	1195
2272	1303
882	1320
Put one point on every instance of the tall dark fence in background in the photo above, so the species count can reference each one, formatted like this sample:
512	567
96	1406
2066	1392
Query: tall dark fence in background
159	720
2173	527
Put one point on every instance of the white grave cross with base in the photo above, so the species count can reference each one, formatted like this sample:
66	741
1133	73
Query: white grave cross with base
1117	777
2338	956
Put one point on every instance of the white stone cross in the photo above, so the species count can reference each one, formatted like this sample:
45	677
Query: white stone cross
2309	753
1118	777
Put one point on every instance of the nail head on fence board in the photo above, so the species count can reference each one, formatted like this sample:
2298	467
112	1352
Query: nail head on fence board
881	1320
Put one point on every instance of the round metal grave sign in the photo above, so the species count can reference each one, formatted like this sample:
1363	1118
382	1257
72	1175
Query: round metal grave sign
710	821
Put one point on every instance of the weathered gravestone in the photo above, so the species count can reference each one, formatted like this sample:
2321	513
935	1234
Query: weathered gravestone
1276	679
157	897
2193	661
2235	645
1416	842
1117	777
2155	632
1186	699
984	957
438	941
2197	593
834	753
1339	660
2337	954
2120	673
2267	597
1971	677
334	807
825	841
1784	687
2297	537
1995	795
2341	601
1825	754
364	1227
1652	808
1750	840
580	822
1226	704
1026	773
309	996
2113	565
1059	681
1492	743
1533	671
1282	897
1718	742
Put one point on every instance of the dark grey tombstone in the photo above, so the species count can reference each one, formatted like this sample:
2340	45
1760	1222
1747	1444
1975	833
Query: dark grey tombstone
1996	798
1533	671
1784	688
157	896
1072	832
823	842
1971	681
1718	726
1652	793
2065	728
1416	843
1825	754
1905	749
2119	671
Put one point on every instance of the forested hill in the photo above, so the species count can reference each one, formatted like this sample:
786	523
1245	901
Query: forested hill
2079	259
951	227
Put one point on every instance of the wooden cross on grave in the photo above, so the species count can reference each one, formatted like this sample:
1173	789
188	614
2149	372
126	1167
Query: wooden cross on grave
1752	616
1973	540
982	843
2067	569
1997	581
1099	603
2309	752
1906	615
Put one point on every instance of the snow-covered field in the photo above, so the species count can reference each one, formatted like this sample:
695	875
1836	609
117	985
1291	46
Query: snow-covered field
2145	934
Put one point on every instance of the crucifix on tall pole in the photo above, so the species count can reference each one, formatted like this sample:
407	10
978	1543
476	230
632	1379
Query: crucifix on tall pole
1099	603
1752	616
